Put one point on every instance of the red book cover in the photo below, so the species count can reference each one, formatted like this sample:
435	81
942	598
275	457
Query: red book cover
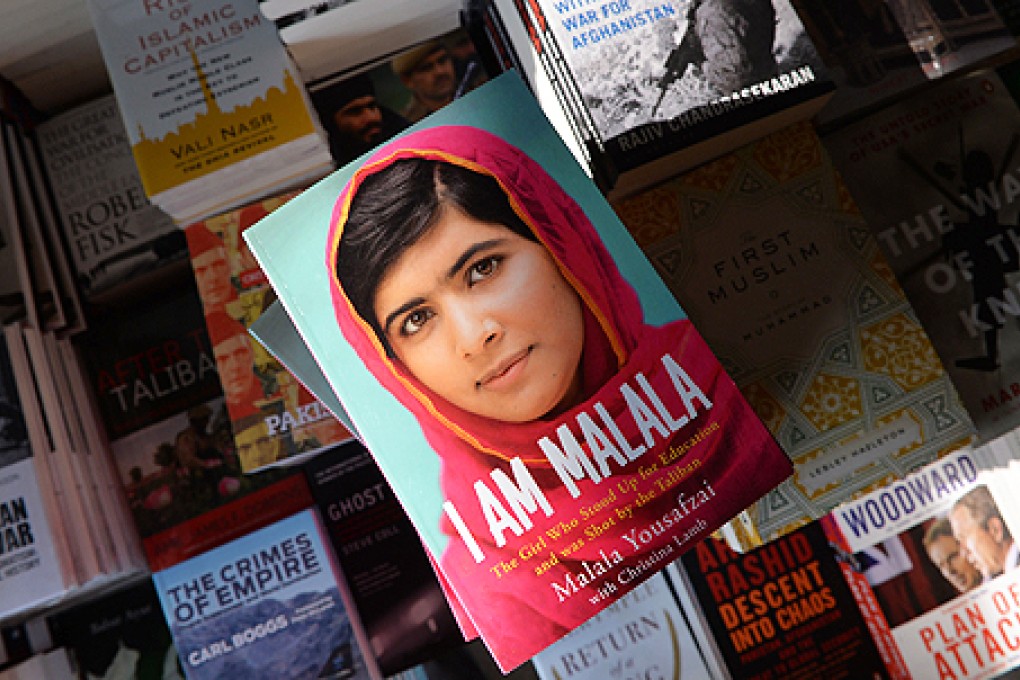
152	370
273	416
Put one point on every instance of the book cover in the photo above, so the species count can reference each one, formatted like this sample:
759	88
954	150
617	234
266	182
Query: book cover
265	606
642	635
782	610
272	415
112	233
878	51
207	93
276	333
33	568
118	633
362	109
931	560
31	574
393	586
767	251
660	86
154	377
936	184
561	441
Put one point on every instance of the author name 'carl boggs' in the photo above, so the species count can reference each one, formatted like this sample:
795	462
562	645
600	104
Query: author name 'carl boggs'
636	540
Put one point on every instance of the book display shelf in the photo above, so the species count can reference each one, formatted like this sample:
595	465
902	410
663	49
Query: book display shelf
539	339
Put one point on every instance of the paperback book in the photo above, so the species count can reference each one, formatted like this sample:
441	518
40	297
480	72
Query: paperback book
644	634
17	296
276	332
35	566
113	235
555	446
271	604
56	473
767	251
401	603
52	299
878	51
931	560
937	185
653	88
782	610
215	111
154	378
273	416
118	633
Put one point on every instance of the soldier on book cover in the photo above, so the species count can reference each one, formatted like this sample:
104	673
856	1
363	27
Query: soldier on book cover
354	118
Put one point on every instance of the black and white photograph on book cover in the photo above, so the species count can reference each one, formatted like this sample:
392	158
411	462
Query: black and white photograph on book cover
660	75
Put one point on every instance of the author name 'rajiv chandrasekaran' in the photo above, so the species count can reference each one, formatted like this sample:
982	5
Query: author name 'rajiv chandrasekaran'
657	416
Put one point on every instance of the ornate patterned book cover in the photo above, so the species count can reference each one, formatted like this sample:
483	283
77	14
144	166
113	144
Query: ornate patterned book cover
769	254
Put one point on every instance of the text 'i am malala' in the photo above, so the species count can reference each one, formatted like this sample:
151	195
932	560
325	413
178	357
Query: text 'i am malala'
510	503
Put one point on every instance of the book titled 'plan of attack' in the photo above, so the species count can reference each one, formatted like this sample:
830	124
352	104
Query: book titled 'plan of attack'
553	424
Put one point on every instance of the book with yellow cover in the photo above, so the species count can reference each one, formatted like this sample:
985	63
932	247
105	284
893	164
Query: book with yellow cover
767	251
215	112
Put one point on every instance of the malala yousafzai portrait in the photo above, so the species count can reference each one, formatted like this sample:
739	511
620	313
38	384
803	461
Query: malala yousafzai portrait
581	448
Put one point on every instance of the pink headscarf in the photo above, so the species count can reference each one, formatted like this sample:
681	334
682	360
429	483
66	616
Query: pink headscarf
520	613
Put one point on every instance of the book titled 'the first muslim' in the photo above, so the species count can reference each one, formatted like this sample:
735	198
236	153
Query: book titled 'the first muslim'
555	427
214	109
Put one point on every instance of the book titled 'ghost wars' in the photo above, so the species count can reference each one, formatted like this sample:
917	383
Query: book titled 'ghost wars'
553	424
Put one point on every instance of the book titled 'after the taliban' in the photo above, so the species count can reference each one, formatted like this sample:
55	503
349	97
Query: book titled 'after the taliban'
555	427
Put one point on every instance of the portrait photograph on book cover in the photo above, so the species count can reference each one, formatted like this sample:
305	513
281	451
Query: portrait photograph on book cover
932	561
583	441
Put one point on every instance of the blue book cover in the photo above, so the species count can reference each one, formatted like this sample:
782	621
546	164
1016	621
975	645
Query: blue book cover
551	421
269	605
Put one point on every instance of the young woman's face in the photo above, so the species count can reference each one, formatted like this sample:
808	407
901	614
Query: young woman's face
483	317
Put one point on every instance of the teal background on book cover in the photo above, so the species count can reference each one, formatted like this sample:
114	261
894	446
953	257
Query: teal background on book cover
290	244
